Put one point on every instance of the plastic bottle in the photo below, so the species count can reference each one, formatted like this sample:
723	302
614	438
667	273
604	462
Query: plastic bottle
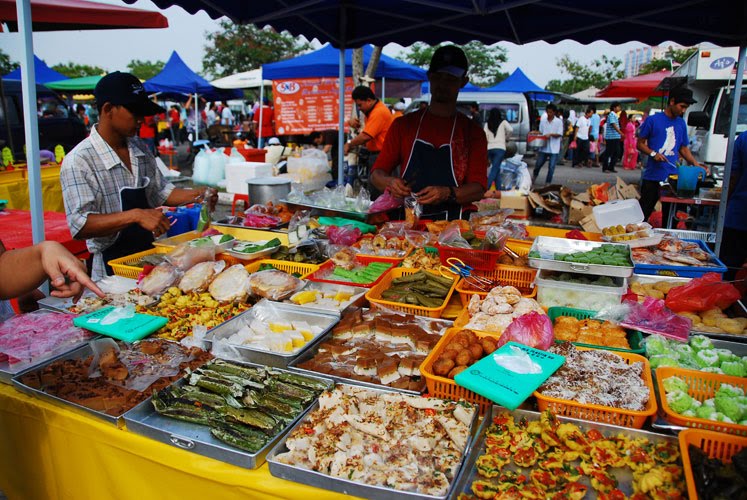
217	170
235	157
200	167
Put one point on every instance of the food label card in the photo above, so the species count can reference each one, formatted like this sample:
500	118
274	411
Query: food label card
510	375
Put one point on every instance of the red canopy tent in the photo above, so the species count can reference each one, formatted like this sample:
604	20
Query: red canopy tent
53	15
641	87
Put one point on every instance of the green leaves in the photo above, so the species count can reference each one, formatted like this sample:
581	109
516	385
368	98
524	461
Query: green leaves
485	60
145	70
74	70
597	74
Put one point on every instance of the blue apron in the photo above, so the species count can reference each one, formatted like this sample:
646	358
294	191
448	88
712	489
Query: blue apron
133	238
431	166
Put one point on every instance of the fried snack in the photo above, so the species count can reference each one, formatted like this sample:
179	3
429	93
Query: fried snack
463	349
693	317
729	325
590	331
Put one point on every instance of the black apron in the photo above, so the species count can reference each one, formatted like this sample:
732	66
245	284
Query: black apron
429	166
133	238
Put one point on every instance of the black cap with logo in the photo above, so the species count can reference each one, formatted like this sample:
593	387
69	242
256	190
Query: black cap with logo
124	89
449	59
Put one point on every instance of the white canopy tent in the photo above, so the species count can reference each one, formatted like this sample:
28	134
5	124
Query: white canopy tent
245	80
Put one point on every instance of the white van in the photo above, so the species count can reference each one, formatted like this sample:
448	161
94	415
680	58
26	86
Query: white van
514	106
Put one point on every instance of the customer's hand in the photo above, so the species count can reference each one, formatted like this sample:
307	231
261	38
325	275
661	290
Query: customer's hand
153	220
67	274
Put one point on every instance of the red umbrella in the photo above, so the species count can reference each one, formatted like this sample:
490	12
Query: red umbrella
641	87
56	15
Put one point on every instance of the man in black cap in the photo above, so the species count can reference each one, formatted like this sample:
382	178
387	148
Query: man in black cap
442	154
110	182
663	138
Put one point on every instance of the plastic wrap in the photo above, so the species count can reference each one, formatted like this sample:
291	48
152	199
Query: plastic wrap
532	329
160	279
274	285
343	235
185	255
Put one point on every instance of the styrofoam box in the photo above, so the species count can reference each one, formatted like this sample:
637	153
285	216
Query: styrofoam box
237	174
618	212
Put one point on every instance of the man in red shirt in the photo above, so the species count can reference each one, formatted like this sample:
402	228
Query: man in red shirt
443	154
176	122
268	123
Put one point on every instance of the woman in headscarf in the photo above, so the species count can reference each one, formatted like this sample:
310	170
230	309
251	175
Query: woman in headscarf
498	132
630	158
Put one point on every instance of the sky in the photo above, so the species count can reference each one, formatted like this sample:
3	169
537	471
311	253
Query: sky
113	49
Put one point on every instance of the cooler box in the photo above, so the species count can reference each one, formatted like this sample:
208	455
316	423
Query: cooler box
238	173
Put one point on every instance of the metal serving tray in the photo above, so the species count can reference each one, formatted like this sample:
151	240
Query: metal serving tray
368	217
346	486
146	421
109	284
623	475
547	246
250	354
357	299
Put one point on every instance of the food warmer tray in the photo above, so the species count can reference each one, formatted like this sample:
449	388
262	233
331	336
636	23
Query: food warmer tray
623	475
367	217
7	374
356	300
146	421
547	246
348	487
310	353
249	354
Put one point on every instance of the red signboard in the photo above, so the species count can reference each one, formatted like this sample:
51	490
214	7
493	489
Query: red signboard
308	104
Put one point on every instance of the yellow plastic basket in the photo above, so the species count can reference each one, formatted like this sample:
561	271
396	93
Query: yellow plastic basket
129	267
374	295
283	265
714	444
245	234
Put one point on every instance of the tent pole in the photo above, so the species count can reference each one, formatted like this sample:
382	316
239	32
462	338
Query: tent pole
197	118
341	122
383	88
261	106
737	97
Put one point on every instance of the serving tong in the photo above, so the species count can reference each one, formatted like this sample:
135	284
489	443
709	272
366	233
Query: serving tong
458	267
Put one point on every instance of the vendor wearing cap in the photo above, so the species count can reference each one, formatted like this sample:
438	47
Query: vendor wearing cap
111	185
663	137
442	154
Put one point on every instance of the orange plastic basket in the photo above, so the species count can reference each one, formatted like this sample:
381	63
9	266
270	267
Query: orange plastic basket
519	247
605	414
701	386
714	444
446	388
374	295
519	277
283	265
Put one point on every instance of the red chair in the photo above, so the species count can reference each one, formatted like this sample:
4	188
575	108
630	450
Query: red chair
239	197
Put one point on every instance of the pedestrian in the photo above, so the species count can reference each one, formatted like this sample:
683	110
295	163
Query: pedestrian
663	138
474	113
378	120
612	139
552	128
498	133
175	118
594	137
733	249
581	137
565	141
212	114
442	152
226	116
268	122
630	160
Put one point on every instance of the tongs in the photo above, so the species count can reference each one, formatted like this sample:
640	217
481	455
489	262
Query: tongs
456	266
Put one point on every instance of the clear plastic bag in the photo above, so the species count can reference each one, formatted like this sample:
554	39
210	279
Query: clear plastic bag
419	239
650	316
274	285
185	256
451	236
532	329
362	200
159	280
413	211
495	239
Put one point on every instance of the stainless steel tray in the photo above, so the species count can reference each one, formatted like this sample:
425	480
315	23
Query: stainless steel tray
227	222
623	475
346	486
547	245
253	355
369	217
146	421
357	299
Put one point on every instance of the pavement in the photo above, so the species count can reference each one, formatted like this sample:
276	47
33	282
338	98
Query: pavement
579	179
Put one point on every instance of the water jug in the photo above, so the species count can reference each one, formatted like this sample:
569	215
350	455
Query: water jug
687	180
217	170
200	167
235	157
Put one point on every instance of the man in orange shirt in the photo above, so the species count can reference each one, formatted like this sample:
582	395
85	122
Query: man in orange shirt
378	120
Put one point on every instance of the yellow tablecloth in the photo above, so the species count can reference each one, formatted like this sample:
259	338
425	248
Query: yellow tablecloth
17	193
48	451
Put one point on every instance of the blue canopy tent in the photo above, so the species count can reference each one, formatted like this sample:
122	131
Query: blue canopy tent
520	82
44	74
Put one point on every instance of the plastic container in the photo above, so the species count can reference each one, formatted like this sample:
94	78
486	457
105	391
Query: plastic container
684	234
535	140
444	387
552	293
519	277
714	444
684	271
635	338
324	273
622	213
701	386
374	295
479	260
548	247
201	167
605	414
283	265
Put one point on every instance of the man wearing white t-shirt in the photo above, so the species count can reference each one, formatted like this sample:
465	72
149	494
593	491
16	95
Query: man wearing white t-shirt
226	117
583	125
552	128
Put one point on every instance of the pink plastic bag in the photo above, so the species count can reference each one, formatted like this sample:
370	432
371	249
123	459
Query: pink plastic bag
532	329
343	235
385	202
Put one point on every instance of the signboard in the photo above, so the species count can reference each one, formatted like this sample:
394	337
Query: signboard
308	104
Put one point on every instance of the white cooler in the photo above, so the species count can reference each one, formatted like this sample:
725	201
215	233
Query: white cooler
237	174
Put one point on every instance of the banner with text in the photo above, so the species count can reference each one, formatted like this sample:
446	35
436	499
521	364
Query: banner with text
307	104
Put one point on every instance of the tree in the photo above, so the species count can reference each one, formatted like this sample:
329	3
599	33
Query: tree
145	70
597	74
672	56
484	60
75	70
6	64
243	47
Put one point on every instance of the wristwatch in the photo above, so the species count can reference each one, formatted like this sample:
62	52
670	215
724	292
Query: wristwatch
452	195
652	154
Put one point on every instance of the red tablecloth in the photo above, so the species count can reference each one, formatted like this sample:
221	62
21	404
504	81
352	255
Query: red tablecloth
15	231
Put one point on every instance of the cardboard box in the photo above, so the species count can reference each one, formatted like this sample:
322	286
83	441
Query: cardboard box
626	191
578	211
516	201
589	224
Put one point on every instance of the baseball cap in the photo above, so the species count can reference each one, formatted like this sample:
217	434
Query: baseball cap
449	59
682	94
124	89
274	141
399	106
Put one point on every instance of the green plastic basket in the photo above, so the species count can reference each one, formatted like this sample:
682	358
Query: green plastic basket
635	338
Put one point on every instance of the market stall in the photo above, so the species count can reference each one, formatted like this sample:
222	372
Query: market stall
16	231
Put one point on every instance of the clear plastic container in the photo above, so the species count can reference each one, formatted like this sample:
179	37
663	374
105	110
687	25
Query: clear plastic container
554	293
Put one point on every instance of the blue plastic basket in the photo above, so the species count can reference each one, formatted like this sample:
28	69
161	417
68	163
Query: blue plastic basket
683	271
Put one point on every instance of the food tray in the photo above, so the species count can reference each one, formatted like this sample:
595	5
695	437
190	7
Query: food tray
346	486
63	305
324	273
684	271
357	299
250	233
623	475
684	234
520	277
374	295
479	260
283	265
635	338
605	414
125	266
177	240
254	255
702	386
737	310
288	312
714	444
446	388
146	421
547	245
396	260
652	240
369	217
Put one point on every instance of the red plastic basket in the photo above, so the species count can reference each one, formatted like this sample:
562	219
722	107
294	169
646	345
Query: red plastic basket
479	260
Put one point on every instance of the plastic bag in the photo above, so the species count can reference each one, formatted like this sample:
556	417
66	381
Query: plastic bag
701	294
516	231
362	200
385	202
343	235
159	280
451	236
650	316
185	256
495	239
413	211
482	221
532	329
124	312
274	285
419	239
517	361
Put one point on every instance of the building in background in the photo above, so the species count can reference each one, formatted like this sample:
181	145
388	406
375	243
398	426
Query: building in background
636	58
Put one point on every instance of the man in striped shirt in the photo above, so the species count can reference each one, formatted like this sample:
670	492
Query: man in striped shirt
613	139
